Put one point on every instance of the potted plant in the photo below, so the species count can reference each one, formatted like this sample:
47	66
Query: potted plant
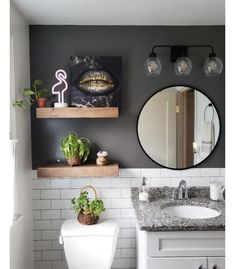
88	210
34	95
75	148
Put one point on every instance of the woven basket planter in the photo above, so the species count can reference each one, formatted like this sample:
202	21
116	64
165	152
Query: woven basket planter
88	219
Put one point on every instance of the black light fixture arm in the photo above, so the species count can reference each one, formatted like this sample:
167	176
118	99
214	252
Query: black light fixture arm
212	54
179	49
153	53
160	46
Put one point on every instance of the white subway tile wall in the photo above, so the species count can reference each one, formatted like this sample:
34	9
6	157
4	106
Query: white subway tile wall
52	205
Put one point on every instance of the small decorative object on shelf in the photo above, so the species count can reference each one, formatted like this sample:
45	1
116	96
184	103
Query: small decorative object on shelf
88	210
75	148
61	76
102	158
33	95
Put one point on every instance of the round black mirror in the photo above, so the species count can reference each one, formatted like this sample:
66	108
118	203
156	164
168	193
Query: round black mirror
178	127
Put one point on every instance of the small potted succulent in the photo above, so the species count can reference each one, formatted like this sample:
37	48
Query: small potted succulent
34	95
75	149
88	210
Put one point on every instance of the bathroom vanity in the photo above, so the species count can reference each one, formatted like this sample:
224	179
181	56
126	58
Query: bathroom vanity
167	240
180	250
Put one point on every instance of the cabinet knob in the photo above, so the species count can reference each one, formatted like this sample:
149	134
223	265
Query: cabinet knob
202	267
215	267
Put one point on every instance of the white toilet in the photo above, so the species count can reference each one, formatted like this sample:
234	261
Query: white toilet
89	246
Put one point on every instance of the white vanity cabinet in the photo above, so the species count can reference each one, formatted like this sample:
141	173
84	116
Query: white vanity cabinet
181	250
216	263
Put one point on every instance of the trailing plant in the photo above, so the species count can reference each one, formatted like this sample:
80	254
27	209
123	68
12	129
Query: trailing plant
74	146
31	95
19	104
83	205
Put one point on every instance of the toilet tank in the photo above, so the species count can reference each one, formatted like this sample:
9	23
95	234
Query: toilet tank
89	246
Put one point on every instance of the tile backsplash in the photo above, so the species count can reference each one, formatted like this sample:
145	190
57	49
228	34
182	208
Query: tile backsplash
52	205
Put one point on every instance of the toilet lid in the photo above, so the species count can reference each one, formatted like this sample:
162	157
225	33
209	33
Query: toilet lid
72	227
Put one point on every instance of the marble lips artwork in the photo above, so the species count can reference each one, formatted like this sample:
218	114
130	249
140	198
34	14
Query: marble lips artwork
95	81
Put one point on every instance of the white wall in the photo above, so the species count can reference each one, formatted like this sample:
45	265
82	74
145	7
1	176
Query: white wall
157	127
21	230
52	205
201	101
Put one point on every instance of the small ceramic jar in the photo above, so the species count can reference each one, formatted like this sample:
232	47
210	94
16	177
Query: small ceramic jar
102	158
217	191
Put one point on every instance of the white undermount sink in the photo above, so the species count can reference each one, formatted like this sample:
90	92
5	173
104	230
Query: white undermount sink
190	211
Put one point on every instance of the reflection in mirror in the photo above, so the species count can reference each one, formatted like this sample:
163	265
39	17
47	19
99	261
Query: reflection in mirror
178	127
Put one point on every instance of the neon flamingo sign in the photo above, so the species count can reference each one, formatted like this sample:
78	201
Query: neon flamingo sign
61	76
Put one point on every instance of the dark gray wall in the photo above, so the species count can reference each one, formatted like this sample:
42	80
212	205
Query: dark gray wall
51	48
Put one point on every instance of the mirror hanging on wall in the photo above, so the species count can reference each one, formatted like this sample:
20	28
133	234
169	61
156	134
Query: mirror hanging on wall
178	127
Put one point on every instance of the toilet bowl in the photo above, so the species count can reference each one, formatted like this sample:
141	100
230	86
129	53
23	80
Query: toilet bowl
89	246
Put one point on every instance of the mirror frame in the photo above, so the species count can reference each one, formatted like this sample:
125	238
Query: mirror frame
177	85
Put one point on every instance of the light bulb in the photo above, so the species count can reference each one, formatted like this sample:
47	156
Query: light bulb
183	66
152	67
213	66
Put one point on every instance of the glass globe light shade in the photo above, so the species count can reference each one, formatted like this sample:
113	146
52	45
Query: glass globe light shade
213	66
183	66
152	67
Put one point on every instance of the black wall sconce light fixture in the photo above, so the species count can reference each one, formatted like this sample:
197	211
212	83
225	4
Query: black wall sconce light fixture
212	66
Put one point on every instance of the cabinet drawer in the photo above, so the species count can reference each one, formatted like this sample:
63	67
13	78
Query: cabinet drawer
176	263
185	244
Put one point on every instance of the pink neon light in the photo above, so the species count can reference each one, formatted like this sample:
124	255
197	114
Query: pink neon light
61	76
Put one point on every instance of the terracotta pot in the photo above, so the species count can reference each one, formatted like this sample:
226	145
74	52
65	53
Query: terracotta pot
73	161
42	101
87	219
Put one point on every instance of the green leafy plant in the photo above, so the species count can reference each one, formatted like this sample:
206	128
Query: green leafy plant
73	146
31	95
84	205
19	104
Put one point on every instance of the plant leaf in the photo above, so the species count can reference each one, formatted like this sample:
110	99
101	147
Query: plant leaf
73	146
19	104
28	92
37	82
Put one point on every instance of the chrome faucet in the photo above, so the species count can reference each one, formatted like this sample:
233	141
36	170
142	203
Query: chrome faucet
182	191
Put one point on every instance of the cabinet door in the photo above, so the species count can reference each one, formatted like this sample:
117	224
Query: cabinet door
176	263
216	262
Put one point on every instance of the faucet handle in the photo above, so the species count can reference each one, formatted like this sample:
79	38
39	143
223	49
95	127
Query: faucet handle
202	267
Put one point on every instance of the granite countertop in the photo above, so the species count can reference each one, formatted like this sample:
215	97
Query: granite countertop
151	218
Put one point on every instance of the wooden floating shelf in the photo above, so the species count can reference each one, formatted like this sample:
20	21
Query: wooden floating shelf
90	170
77	112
